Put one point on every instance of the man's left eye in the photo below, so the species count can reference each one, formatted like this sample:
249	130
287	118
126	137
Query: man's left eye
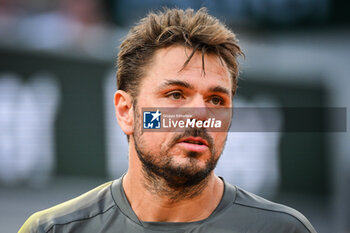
216	100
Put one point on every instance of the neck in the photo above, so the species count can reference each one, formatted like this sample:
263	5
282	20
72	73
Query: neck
153	200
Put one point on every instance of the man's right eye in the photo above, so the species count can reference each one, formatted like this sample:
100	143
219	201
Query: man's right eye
175	95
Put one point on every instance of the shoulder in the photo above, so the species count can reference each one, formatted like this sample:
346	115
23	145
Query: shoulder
275	215
87	206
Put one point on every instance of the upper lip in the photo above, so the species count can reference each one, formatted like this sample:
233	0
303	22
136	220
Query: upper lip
195	139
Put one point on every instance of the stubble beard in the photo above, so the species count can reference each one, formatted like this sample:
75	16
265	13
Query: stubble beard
163	176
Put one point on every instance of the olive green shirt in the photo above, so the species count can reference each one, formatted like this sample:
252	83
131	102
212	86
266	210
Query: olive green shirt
106	209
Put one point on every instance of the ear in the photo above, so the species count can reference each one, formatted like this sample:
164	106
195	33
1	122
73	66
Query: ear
124	111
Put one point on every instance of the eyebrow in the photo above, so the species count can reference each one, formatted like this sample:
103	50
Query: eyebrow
176	83
220	89
189	86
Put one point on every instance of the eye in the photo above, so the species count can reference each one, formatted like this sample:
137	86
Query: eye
176	95
217	100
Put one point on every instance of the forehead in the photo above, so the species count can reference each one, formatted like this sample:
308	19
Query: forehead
170	61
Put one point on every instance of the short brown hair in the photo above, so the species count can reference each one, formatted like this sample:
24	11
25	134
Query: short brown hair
197	30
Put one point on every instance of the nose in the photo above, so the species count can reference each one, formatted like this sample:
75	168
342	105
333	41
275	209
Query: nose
198	108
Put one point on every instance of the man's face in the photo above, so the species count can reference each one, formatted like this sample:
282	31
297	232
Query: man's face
182	158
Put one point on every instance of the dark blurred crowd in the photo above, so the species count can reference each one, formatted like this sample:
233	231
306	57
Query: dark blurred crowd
82	25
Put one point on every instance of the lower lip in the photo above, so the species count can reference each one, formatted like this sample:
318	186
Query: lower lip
193	147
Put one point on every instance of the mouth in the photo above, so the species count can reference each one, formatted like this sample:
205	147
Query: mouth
194	140
196	144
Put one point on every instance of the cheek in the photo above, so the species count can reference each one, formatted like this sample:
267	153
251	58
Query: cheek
155	141
219	139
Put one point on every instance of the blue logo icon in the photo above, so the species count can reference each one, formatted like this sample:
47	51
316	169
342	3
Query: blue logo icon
151	120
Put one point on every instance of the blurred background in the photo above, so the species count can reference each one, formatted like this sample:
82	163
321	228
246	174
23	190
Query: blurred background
59	136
